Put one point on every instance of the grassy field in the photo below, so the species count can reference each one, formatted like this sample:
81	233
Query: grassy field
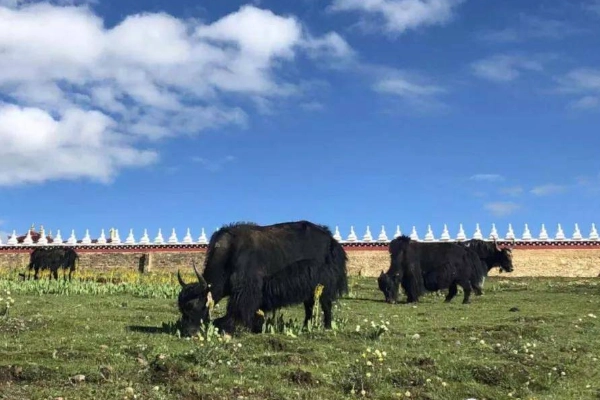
525	338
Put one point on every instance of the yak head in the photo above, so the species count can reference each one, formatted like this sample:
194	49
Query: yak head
503	258
194	303
389	285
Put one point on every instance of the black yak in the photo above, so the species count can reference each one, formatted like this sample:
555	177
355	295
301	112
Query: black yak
53	258
420	267
491	255
264	268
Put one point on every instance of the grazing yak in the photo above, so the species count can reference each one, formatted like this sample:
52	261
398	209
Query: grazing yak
421	267
264	268
52	258
491	255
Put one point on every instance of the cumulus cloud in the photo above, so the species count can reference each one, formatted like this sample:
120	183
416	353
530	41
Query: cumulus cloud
414	89
549	189
502	208
528	27
399	16
214	165
505	67
79	98
512	191
487	177
584	84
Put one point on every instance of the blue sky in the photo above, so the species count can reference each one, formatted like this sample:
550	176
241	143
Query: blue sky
172	114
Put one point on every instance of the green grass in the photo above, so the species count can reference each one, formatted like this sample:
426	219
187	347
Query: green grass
120	337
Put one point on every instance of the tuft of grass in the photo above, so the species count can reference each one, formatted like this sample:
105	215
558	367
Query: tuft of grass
118	338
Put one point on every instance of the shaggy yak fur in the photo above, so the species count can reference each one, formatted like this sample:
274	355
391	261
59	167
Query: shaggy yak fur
422	267
52	258
491	255
264	268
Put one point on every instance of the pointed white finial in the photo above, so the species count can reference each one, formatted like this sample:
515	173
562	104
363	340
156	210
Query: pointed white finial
102	238
43	240
12	240
494	232
593	232
145	238
413	234
86	239
116	238
367	237
382	235
352	236
543	233
28	241
526	233
187	239
429	234
577	233
398	233
336	235
511	233
72	240
477	234
560	235
159	237
445	234
130	239
58	239
202	239
461	233
173	238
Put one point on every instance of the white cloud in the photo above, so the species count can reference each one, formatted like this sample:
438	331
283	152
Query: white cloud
414	89
62	72
399	16
527	27
549	189
580	80
512	191
592	6
586	103
487	177
505	67
214	166
583	83
502	208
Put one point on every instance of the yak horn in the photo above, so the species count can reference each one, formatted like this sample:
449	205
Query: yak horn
181	282
200	278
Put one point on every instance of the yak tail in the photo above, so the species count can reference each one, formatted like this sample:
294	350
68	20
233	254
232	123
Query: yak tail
338	260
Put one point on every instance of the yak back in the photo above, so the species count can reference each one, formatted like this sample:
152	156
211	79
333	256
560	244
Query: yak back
251	250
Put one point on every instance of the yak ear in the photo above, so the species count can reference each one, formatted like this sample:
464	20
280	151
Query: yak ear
200	278
181	282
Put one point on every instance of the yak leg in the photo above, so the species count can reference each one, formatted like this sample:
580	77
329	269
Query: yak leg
412	295
55	273
245	300
477	290
466	285
225	324
452	290
326	305
308	311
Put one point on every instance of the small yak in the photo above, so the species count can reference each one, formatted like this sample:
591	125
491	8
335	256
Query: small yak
52	258
264	268
422	267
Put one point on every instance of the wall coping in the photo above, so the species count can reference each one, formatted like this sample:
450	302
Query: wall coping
350	246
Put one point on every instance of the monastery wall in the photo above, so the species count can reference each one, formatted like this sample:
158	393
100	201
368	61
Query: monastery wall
558	261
